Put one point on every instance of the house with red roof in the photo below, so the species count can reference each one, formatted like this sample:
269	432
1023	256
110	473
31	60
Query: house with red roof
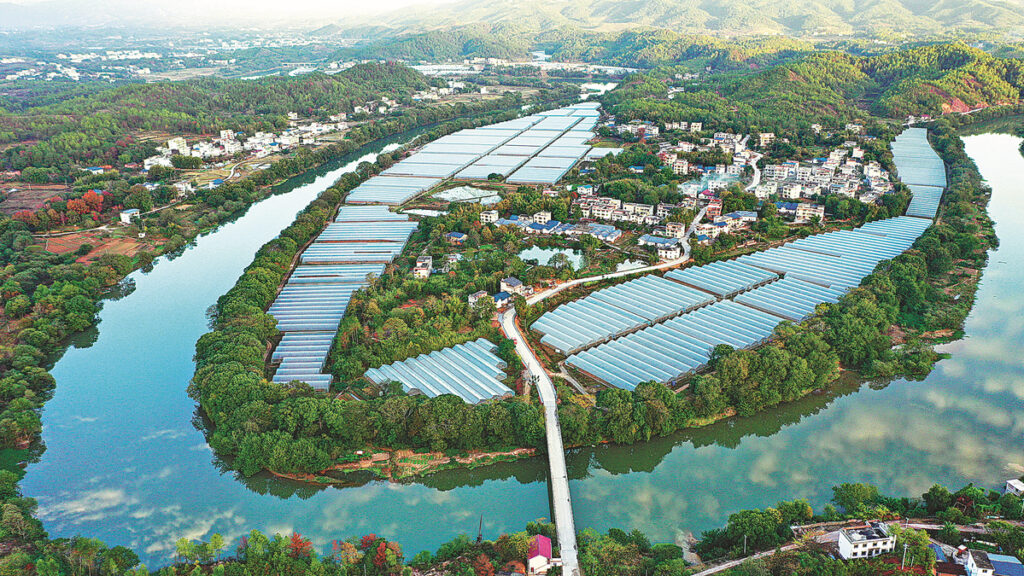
539	559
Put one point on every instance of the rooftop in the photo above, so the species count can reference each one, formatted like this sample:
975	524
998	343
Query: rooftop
873	531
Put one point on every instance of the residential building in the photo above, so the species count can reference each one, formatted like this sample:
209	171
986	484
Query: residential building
1005	565
786	208
1015	487
714	208
177	145
542	217
657	241
512	285
424	265
676	229
670	252
538	561
455	238
477	296
978	564
502	299
488	216
765	139
866	541
804	212
128	215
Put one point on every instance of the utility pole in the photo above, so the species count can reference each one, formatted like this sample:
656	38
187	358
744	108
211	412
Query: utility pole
904	563
744	544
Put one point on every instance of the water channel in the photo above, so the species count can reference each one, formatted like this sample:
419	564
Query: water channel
124	463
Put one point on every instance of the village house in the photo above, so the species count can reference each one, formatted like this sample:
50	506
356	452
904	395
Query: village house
804	212
513	285
539	559
866	541
455	238
477	296
128	215
423	268
502	299
488	216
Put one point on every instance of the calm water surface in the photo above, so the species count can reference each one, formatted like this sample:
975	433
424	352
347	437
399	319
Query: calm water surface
124	462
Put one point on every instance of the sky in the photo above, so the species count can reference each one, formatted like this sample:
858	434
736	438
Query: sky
201	12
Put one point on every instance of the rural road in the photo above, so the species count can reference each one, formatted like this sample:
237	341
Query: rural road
561	501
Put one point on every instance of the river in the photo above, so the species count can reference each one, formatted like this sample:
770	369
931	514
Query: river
124	463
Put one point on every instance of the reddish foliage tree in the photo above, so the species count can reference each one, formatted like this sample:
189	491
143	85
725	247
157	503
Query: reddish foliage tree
367	541
78	205
482	566
382	555
27	217
298	546
94	200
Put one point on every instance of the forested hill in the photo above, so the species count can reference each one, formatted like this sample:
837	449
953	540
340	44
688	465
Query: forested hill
99	126
904	18
833	88
633	48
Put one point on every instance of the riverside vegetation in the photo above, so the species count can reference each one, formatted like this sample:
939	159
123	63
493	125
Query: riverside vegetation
292	429
614	553
48	297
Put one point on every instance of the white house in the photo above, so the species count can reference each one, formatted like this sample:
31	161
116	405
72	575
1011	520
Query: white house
128	215
488	216
866	541
1015	487
978	564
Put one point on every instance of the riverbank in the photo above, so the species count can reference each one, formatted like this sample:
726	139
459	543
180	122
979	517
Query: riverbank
882	329
405	464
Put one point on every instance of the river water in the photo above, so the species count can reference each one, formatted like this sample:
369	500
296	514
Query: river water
124	462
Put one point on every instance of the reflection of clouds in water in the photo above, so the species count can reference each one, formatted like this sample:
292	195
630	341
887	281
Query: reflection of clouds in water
173	522
1004	384
995	351
910	437
91	506
165	434
764	469
981	409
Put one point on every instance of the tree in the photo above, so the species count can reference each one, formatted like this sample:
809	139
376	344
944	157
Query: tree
937	498
851	496
299	546
186	162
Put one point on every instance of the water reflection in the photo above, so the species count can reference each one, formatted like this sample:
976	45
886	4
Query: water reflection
125	463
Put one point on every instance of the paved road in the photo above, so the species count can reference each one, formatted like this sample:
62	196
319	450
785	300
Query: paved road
735	563
561	502
757	172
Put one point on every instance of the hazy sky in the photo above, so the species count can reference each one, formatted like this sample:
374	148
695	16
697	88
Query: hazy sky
200	12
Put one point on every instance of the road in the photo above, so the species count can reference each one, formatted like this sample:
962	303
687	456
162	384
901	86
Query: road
561	501
735	563
545	294
757	172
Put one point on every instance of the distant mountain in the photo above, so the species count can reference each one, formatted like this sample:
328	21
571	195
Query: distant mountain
744	17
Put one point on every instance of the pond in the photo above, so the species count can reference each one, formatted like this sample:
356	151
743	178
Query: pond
544	255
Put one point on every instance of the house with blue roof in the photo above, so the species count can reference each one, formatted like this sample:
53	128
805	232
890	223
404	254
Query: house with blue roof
455	238
657	241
